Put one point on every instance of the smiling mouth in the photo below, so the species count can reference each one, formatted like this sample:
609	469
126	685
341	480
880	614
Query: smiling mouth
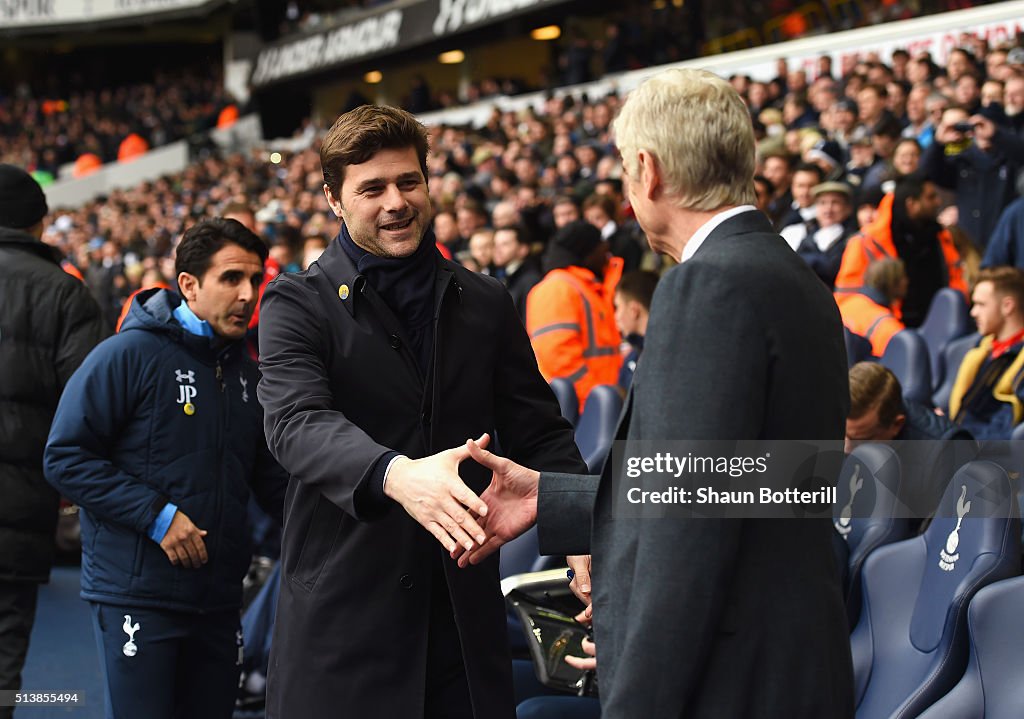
398	226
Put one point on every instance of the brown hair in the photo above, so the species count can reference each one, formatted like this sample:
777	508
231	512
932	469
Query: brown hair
873	385
360	134
1005	281
885	275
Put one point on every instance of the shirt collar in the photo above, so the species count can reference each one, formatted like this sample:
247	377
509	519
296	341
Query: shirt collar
188	319
708	227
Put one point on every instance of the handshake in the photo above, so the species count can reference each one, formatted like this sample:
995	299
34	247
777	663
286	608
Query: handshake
469	527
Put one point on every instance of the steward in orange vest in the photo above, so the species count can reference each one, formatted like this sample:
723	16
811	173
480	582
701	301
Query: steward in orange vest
906	230
570	315
868	312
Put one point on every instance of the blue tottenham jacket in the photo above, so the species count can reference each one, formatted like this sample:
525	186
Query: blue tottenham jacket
154	415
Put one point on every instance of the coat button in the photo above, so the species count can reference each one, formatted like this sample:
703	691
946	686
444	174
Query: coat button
396	342
406	581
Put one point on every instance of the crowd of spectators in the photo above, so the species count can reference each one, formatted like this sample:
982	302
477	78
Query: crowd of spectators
43	132
832	145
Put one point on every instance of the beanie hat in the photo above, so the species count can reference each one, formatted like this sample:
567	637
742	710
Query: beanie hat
22	202
579	238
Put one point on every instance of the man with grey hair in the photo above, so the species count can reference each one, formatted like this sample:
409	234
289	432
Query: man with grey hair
705	617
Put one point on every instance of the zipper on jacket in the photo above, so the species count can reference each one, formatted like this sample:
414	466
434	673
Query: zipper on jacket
220	376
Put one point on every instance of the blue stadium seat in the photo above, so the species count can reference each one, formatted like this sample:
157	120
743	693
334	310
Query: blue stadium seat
567	400
858	349
868	491
596	428
948	319
952	355
907	357
910	645
992	686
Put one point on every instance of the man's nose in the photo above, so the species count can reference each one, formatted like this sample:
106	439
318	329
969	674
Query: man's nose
246	291
394	199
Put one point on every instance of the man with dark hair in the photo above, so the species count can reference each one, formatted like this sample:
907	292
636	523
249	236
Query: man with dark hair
906	227
600	211
633	299
806	177
513	265
159	439
374	360
987	398
48	324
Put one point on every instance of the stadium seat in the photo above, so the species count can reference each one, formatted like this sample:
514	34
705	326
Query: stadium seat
858	349
991	687
948	319
952	355
567	400
596	428
865	512
907	357
910	644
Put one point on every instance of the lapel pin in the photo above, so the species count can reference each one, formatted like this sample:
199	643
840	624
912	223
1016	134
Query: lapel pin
343	292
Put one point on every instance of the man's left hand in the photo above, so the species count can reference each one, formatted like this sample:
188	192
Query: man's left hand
588	663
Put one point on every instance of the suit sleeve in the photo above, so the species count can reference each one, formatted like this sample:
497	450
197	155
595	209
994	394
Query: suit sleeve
565	510
100	399
313	442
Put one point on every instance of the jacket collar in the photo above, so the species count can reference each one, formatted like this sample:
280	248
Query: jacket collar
21	240
349	284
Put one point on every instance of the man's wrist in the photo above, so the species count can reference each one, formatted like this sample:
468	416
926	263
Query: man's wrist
397	460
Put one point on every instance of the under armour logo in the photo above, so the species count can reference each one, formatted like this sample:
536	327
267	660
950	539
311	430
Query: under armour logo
244	382
189	376
130	648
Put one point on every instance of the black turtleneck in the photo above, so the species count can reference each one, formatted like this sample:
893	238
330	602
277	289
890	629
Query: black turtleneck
406	284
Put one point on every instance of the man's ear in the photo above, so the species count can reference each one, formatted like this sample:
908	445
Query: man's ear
189	286
650	174
897	426
333	201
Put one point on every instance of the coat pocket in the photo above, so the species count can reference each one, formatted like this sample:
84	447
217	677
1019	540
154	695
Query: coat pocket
322	533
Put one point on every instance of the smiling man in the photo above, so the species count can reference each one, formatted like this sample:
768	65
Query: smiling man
376	358
158	437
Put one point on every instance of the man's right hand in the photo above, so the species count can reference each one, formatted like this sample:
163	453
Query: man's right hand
511	501
183	544
433	494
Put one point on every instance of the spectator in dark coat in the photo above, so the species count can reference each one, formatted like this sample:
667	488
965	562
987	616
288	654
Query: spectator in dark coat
514	266
48	324
982	169
1006	245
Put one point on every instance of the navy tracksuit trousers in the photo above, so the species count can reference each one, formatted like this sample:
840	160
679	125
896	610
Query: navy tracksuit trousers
160	664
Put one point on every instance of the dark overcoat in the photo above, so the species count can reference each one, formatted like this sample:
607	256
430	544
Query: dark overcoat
341	388
720	618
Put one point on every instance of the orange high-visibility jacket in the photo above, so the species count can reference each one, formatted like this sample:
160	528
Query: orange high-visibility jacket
571	321
863	316
874	242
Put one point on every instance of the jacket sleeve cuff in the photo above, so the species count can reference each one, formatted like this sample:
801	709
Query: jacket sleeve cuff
565	506
370	493
158	529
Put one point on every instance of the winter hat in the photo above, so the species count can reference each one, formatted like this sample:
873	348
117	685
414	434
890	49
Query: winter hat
22	202
579	238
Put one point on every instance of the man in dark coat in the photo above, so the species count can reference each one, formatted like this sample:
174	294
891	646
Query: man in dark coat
373	360
703	618
48	324
514	266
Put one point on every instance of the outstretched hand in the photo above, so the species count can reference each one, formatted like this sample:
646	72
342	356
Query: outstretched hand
433	494
511	500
